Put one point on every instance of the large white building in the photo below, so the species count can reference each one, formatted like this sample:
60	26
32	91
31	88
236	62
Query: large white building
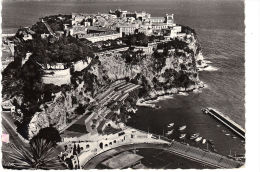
103	36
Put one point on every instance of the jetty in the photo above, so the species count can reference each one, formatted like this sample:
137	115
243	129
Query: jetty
236	128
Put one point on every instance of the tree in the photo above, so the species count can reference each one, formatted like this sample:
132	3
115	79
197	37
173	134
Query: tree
74	149
78	149
40	155
50	134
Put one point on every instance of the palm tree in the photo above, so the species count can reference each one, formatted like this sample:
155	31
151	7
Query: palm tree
40	155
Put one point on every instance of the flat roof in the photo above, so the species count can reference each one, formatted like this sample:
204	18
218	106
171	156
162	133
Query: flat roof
122	160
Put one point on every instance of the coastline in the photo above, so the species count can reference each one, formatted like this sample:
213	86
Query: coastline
156	96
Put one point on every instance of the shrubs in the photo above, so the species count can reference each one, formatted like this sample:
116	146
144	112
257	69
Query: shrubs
50	134
139	39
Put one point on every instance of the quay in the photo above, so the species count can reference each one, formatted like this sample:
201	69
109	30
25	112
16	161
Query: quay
236	128
142	140
95	150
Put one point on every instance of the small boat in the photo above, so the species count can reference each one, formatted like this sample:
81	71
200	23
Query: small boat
169	132
198	139
204	110
218	125
182	136
204	141
182	128
227	134
234	137
194	136
170	125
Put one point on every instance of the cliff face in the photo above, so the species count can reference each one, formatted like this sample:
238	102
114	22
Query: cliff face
173	64
172	67
67	105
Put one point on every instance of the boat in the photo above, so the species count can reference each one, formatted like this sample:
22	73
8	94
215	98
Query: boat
170	125
227	134
182	128
169	132
194	136
204	110
182	136
204	141
198	139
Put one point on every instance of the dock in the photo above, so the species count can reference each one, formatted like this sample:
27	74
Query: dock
236	128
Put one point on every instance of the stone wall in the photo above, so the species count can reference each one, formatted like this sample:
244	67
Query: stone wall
104	37
62	76
56	77
80	65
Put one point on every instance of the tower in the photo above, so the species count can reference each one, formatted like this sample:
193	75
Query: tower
170	18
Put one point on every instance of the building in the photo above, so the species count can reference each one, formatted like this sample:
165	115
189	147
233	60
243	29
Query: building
169	19
80	31
128	28
172	32
103	36
146	50
157	19
159	26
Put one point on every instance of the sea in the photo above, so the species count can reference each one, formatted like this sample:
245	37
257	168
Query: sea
220	28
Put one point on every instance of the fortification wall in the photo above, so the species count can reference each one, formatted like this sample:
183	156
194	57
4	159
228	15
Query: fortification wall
62	76
80	65
56	77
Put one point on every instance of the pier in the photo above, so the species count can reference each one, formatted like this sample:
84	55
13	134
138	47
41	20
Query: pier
236	128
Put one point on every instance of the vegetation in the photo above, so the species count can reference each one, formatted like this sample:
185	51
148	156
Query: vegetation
40	155
133	57
173	44
139	39
188	30
159	61
64	50
56	22
50	134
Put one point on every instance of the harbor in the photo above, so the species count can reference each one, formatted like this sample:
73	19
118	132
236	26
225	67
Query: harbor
201	130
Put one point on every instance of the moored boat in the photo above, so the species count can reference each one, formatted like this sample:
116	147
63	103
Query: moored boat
169	133
182	136
198	139
194	136
204	141
182	128
170	125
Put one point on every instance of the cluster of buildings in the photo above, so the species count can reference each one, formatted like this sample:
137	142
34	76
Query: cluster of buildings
115	24
77	152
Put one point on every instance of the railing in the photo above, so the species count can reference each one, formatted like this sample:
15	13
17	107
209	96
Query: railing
198	154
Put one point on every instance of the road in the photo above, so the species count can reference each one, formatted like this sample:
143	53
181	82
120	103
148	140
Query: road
10	128
190	153
110	153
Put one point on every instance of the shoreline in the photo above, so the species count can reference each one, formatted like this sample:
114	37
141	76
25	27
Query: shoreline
156	96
